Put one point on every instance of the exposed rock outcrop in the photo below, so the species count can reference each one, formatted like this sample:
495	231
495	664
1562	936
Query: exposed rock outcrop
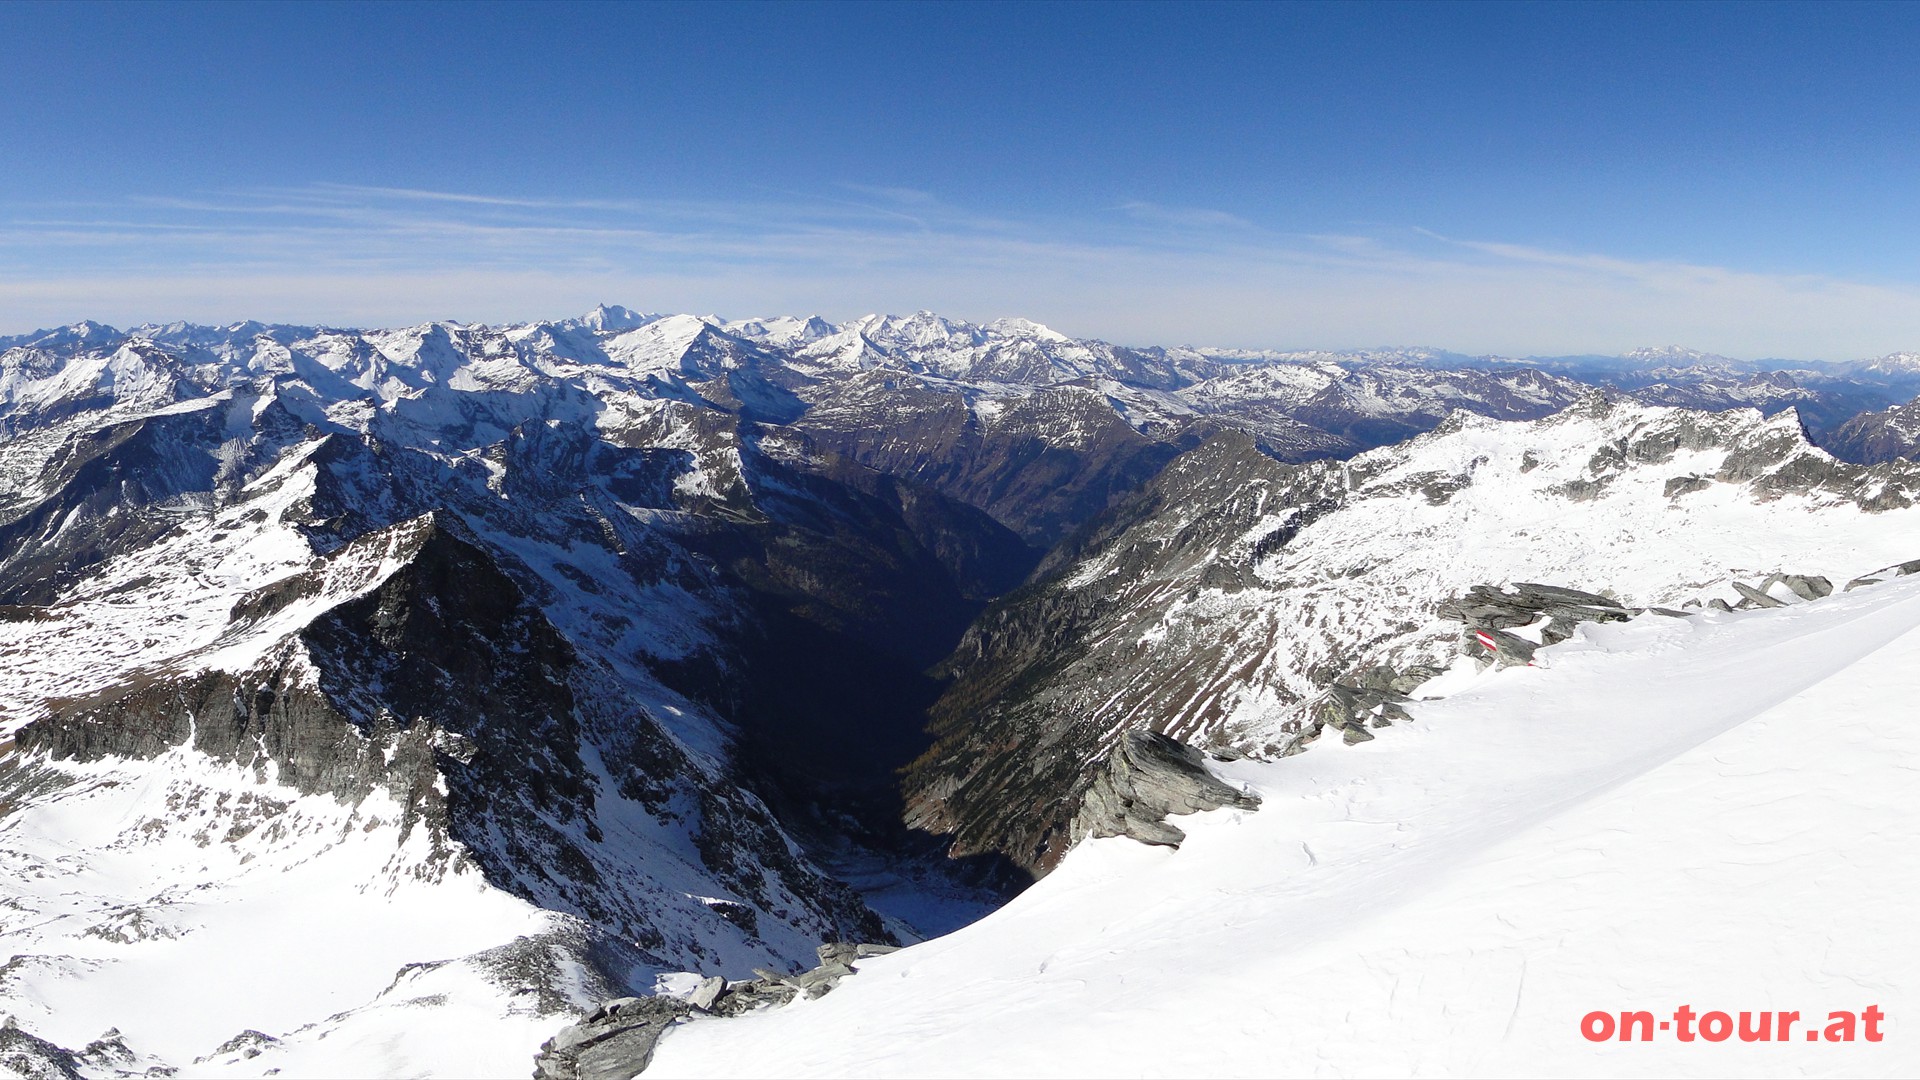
1147	778
442	671
26	1055
1491	614
1354	709
616	1041
1781	590
446	685
1878	576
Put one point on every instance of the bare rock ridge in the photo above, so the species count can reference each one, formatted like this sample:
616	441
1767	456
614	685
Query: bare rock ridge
1354	708
1147	778
1016	744
1517	620
1547	613
616	1041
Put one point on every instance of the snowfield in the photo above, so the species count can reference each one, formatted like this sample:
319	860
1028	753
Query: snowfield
1714	812
313	932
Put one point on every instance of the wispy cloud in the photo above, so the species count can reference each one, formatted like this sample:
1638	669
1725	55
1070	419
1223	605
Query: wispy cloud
1138	272
1185	217
903	195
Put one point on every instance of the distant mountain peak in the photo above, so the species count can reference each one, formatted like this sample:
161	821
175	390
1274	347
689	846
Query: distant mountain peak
1894	362
610	317
1018	327
1675	354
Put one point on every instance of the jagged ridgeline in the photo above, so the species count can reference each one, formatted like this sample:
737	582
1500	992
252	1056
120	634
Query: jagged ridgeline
614	638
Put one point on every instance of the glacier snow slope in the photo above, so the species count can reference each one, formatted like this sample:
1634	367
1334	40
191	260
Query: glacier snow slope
1714	811
189	943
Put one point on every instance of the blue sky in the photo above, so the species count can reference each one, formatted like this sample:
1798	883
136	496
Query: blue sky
1488	177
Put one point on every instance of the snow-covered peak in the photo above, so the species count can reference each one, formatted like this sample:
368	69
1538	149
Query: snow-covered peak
611	318
1675	355
1026	328
847	349
431	348
1897	363
84	333
663	345
919	330
783	330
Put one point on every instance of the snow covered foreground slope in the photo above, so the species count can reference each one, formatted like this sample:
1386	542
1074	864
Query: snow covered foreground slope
194	952
1715	812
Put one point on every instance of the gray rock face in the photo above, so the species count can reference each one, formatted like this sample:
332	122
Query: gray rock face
1808	587
1353	709
1494	612
1874	437
445	670
770	988
247	1044
707	992
615	1042
1018	738
1147	778
448	687
30	1057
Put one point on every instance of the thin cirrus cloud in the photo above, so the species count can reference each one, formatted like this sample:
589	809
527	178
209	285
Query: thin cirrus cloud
1187	217
1139	272
904	196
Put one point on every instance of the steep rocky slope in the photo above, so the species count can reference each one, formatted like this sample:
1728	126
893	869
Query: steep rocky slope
1883	435
1221	603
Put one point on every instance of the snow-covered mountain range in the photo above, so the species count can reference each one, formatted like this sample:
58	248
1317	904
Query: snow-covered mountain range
389	697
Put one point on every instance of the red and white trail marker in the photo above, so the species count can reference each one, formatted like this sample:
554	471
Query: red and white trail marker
1486	639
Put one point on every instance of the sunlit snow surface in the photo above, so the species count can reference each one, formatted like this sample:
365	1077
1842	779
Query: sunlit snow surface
128	906
1716	812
